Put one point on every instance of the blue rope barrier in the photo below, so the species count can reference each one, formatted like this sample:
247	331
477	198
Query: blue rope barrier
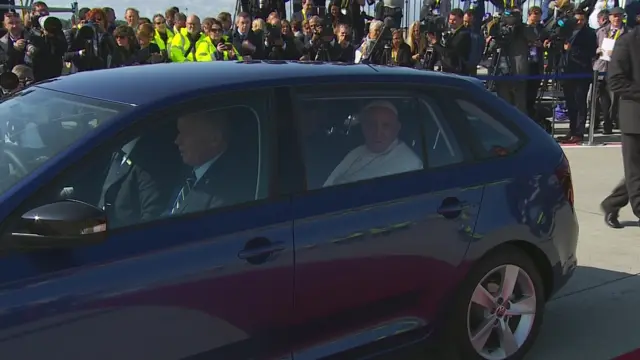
538	77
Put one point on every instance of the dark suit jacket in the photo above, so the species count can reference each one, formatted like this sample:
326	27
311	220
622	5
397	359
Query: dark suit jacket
454	56
579	58
623	78
134	192
254	39
225	183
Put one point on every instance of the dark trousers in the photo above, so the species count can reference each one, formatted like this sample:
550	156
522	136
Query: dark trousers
533	87
628	190
608	104
575	95
514	92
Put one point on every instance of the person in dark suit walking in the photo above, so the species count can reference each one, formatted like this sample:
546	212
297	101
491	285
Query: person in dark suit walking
624	80
214	178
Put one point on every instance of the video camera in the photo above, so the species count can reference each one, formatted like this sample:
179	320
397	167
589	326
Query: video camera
273	35
431	22
45	23
507	27
560	27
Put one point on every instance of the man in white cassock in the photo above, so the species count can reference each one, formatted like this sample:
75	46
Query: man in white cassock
382	154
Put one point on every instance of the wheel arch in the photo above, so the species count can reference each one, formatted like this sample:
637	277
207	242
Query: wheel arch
539	258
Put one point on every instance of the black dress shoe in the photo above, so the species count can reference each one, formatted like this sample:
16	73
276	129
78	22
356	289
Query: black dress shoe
611	219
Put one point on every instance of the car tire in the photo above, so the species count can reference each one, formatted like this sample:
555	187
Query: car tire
467	319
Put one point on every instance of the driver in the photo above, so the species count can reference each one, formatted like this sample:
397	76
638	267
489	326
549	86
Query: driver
382	154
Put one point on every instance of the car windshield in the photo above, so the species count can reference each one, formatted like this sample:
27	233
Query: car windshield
37	124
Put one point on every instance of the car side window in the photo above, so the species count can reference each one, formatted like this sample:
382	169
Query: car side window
494	137
442	148
192	158
355	137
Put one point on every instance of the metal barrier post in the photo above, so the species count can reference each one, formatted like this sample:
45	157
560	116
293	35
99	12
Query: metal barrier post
593	112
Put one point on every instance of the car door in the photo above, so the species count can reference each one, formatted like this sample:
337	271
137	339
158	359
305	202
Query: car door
375	253
209	278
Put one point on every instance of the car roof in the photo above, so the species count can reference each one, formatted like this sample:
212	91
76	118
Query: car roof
141	85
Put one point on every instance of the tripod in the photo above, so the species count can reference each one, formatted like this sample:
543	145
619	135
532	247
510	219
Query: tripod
552	85
501	66
387	59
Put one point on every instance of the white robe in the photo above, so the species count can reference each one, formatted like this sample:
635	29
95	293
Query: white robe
362	164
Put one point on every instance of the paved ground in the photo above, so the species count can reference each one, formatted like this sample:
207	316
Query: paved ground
595	316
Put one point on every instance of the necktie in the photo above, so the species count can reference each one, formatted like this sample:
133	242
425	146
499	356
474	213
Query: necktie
184	192
117	158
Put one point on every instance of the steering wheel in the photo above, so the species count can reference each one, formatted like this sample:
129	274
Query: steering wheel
14	160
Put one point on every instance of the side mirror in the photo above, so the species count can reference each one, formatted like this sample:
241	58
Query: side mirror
60	224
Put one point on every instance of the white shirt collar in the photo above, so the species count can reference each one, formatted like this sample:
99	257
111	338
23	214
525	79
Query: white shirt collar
202	169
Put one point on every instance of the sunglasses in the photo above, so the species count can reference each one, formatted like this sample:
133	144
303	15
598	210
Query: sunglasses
159	22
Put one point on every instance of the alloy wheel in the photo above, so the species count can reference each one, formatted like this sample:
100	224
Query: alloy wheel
501	312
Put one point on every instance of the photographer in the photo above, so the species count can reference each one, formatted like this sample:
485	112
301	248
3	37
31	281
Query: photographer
278	46
579	51
91	47
216	47
321	43
343	49
510	42
50	46
452	48
15	45
536	57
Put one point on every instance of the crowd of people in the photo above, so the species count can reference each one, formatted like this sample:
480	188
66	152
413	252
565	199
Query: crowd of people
37	48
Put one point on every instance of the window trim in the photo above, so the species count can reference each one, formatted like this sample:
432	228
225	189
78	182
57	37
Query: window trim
138	124
378	89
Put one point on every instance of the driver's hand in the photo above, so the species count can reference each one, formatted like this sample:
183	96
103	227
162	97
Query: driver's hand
66	192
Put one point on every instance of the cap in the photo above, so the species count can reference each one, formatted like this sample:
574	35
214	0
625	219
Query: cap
616	11
380	104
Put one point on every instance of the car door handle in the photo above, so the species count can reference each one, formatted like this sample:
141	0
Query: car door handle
450	208
258	250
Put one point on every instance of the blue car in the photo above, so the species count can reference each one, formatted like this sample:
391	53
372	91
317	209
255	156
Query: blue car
276	210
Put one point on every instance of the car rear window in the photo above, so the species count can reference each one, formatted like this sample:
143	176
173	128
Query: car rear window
494	136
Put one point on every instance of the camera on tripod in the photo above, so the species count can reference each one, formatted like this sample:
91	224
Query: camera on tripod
506	28
431	22
560	27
